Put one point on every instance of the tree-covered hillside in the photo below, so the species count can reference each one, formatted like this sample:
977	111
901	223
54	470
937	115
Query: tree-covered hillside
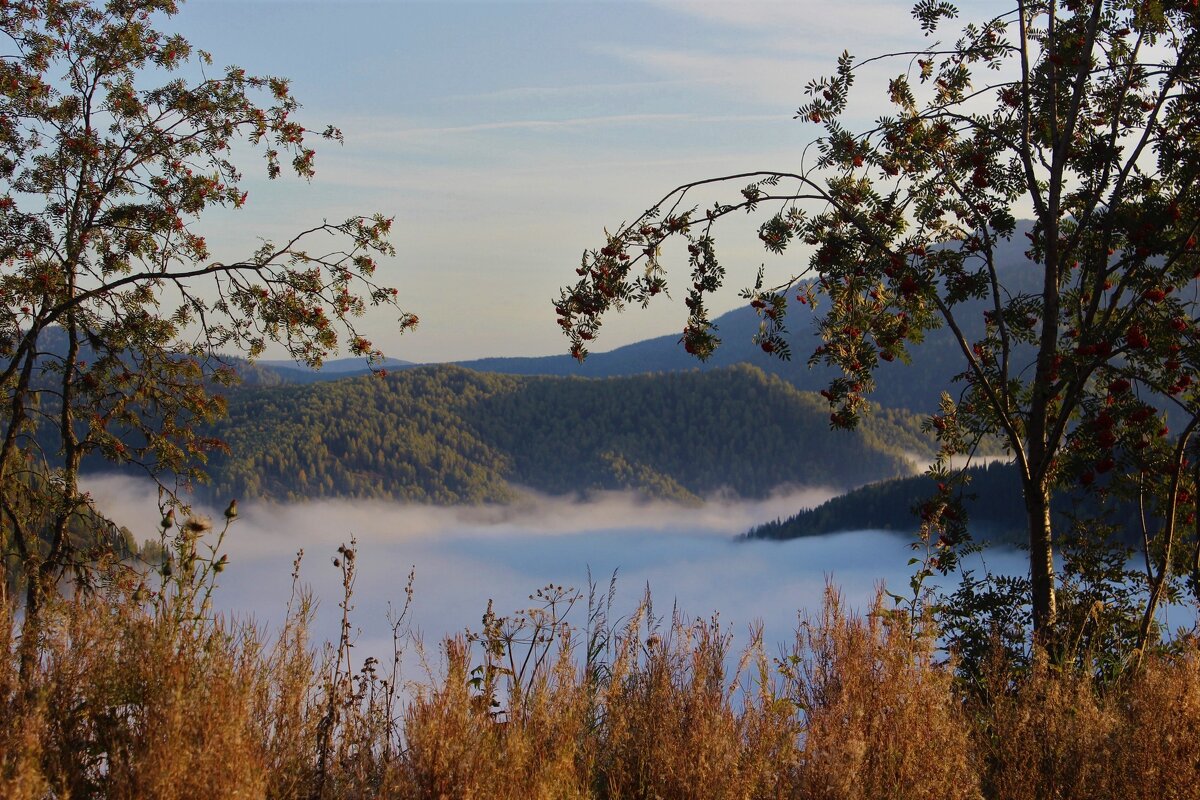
992	500
450	435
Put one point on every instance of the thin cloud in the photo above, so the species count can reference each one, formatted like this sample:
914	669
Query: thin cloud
381	132
532	93
769	50
817	23
773	80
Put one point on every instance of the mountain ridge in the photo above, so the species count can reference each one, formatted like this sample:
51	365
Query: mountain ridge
916	386
446	434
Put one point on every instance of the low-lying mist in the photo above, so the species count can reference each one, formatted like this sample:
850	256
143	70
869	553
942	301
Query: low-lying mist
465	556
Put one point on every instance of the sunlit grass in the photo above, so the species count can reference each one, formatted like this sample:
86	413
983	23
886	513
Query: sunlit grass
129	694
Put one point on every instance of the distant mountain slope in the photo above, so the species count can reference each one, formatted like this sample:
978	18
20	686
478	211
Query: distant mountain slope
263	372
341	367
290	371
916	386
449	435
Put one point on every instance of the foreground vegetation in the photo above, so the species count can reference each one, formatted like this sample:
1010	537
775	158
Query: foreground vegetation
136	693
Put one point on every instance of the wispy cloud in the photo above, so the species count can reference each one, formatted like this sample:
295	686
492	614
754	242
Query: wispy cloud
768	50
558	93
769	79
380	130
812	25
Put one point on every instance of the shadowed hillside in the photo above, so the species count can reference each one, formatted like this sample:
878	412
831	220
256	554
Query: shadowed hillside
992	500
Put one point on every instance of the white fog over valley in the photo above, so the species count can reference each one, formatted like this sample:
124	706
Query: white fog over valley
465	555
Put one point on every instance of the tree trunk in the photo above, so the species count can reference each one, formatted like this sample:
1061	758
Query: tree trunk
30	626
1041	560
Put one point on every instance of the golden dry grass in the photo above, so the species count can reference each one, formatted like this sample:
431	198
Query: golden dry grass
128	698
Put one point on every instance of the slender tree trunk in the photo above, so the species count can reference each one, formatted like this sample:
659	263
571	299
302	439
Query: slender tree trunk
1041	559
1159	578
1196	529
30	625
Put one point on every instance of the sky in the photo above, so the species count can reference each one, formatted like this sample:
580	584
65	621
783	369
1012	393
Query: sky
505	137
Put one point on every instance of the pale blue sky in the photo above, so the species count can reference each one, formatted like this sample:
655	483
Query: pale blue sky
505	136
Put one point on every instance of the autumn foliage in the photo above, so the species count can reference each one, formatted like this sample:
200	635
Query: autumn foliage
116	137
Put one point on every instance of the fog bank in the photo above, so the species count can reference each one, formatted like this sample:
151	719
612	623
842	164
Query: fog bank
465	556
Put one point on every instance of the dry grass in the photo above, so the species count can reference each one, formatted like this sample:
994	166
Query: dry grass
458	748
881	717
1054	735
130	698
121	706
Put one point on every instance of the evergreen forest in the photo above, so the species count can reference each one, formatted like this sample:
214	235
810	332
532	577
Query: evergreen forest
450	435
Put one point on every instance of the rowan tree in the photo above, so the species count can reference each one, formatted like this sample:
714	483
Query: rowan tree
115	138
1080	114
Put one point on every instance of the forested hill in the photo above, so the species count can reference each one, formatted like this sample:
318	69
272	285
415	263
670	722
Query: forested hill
992	501
451	435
